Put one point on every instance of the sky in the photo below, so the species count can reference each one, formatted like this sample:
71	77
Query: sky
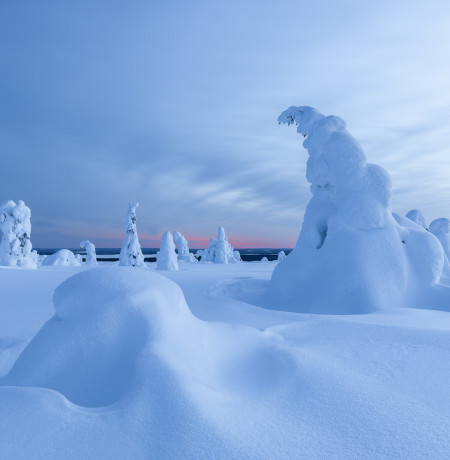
174	104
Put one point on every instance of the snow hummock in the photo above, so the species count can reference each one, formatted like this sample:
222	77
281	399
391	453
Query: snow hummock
131	253
91	256
63	257
416	215
441	229
352	256
166	258
15	247
220	250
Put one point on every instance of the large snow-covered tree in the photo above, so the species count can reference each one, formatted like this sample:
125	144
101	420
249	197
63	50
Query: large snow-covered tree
131	252
15	224
352	255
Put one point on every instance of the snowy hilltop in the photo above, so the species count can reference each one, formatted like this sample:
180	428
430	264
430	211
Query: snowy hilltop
131	253
352	255
15	224
220	251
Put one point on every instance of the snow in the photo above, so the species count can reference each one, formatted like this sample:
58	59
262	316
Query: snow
166	259
63	257
91	256
220	250
131	253
352	255
128	364
281	255
441	229
417	216
15	247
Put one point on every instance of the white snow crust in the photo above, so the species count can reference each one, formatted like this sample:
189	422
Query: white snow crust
123	367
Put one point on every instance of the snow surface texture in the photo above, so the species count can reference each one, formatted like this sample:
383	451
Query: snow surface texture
63	257
131	253
352	256
220	250
15	247
166	259
124	370
91	256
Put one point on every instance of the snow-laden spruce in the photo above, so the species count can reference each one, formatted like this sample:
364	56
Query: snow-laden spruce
416	215
166	258
281	255
91	256
352	255
183	248
15	247
220	250
62	258
131	253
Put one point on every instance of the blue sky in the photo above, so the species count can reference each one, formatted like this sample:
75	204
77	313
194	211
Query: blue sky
174	104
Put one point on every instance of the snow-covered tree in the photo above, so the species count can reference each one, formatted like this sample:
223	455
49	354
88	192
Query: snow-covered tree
352	255
417	216
166	258
15	224
220	251
91	256
281	255
131	253
264	259
182	245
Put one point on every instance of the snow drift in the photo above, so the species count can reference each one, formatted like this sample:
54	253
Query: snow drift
351	255
63	257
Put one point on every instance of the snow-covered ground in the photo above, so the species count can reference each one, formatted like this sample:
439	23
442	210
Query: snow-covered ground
119	362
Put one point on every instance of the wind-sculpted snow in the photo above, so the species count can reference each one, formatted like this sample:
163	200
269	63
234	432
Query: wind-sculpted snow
15	225
63	257
351	255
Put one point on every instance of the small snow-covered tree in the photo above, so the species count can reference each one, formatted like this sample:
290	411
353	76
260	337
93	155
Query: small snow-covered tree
166	259
417	216
131	252
183	248
220	251
64	258
91	256
281	255
264	260
15	247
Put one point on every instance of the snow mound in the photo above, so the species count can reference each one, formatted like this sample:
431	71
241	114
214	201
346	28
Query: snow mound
441	229
63	257
417	216
352	255
103	317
